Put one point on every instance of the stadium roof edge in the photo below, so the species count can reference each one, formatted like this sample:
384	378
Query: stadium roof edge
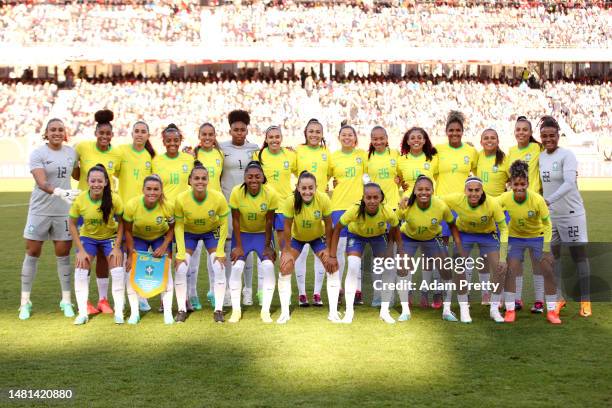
56	55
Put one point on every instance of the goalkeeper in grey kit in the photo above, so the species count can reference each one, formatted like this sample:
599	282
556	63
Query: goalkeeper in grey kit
51	166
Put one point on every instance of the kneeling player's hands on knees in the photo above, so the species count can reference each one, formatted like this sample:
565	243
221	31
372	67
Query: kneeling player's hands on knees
502	266
286	263
269	253
236	254
116	257
332	264
82	260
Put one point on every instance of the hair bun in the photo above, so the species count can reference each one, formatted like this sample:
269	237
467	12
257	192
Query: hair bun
104	116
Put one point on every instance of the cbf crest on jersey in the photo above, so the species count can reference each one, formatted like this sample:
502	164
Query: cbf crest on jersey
530	213
494	169
358	160
484	219
159	220
324	157
392	161
211	213
426	165
285	164
528	157
466	159
381	224
185	168
148	164
434	221
218	161
317	214
110	165
264	207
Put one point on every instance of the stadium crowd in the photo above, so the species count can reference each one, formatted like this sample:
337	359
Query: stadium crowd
347	25
395	103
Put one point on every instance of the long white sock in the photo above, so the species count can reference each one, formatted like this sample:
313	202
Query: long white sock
118	285
235	284
220	282
509	299
193	270
28	273
81	289
404	292
260	278
132	296
64	273
300	270
427	277
538	287
228	264
167	294
211	273
269	281
102	284
341	256
484	278
350	284
180	284
319	271
248	271
333	291
519	288
284	292
551	302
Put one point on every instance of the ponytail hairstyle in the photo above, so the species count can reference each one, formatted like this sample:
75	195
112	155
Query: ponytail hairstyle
297	197
104	117
371	148
525	120
483	198
253	164
455	117
316	121
519	169
197	165
239	115
44	136
362	206
156	178
412	198
344	125
549	121
265	143
428	148
148	146
216	145
499	153
107	197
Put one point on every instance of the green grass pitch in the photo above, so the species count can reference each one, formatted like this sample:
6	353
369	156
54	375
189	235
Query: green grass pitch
309	361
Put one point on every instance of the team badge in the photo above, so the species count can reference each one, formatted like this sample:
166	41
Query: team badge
264	207
466	159
149	275
324	157
286	164
317	214
110	165
211	213
434	221
381	224
70	160
31	228
358	160
218	162
185	168
149	271
484	219
531	213
426	166
392	162
494	169
528	156
555	166
159	220
250	155
148	164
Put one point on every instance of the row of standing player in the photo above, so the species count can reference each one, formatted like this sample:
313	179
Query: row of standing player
384	166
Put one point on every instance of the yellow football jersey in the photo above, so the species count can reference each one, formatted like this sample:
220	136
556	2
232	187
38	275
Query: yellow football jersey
90	155
148	224
316	161
213	161
382	169
253	209
174	172
425	224
370	225
494	178
93	223
278	169
199	217
529	219
410	167
475	220
530	154
347	169
135	167
308	223
454	167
